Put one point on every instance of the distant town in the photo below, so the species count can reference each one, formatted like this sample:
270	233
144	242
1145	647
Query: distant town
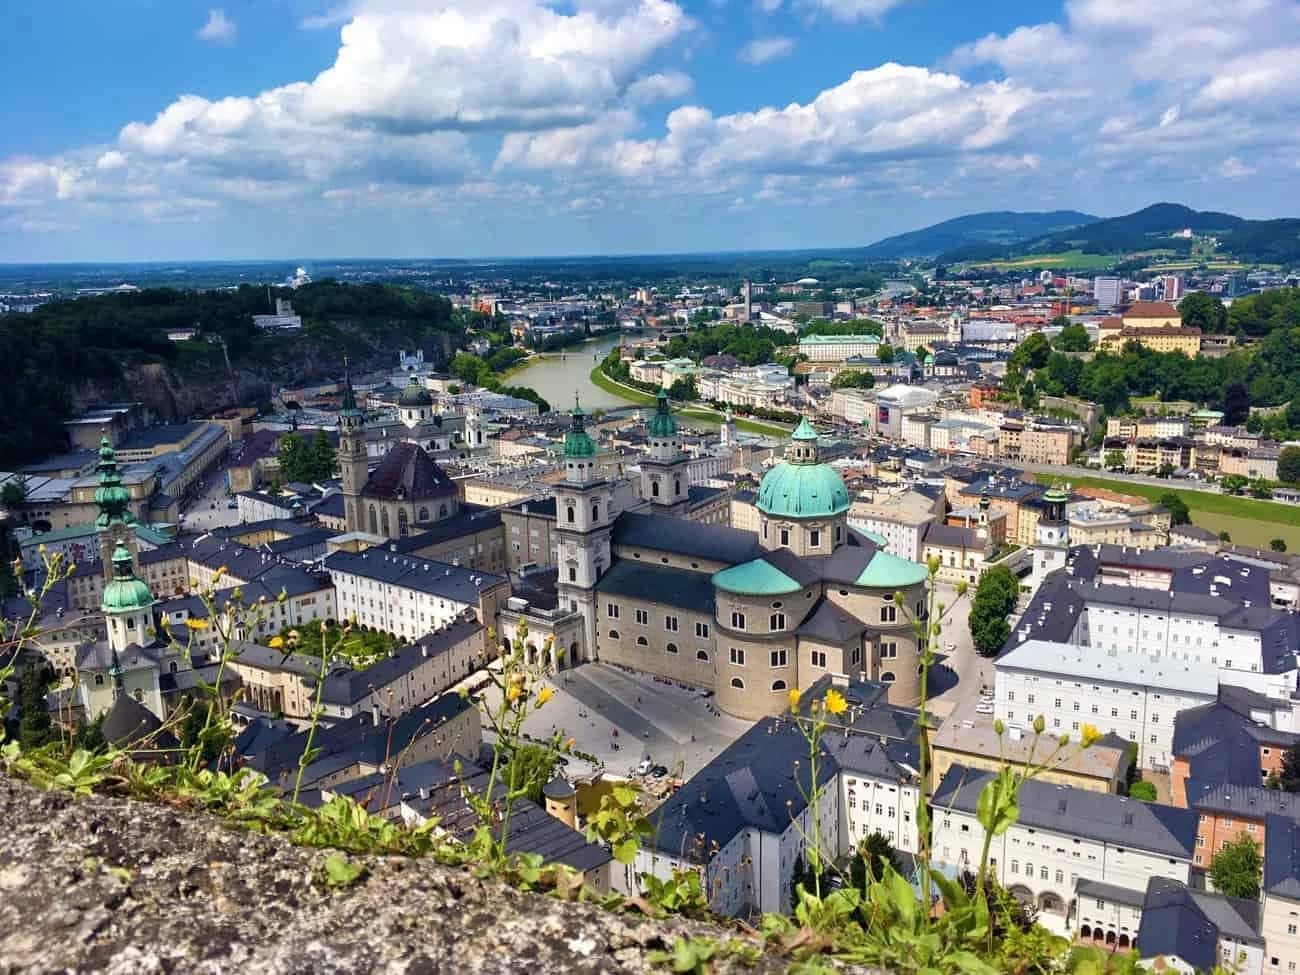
680	499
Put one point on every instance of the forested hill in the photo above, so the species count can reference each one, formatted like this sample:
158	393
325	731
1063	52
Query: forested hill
1000	228
67	354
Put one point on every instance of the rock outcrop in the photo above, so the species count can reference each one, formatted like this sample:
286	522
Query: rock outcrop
107	885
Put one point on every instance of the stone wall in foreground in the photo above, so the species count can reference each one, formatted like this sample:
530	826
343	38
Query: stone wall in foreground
108	885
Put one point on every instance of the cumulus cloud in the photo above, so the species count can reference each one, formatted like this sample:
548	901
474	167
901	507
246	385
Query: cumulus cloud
764	49
660	86
852	10
218	28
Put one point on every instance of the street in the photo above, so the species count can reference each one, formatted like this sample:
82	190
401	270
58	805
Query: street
199	515
956	681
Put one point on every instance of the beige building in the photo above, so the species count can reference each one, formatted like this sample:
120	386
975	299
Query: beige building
974	744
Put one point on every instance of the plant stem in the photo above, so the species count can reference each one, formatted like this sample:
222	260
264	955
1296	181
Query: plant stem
315	721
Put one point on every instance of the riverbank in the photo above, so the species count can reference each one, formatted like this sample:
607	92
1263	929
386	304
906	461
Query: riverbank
642	398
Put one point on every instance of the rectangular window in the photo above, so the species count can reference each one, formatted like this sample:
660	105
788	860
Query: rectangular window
814	538
738	656
612	610
737	621
785	537
888	614
819	658
643	617
778	658
670	624
702	630
776	622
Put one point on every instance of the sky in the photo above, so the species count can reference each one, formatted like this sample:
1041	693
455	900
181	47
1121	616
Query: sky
283	129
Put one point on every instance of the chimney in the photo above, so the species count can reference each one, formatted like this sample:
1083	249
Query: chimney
374	715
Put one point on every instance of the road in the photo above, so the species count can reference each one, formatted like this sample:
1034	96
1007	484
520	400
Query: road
199	515
955	683
1067	473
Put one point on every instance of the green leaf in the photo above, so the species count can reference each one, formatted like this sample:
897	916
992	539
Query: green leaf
625	852
342	872
901	895
968	962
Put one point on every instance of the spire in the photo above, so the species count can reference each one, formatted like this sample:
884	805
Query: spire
349	397
662	424
112	498
577	442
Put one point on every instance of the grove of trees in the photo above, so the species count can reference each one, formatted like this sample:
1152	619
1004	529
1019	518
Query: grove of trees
304	461
995	598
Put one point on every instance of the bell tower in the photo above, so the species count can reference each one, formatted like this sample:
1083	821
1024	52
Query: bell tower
115	523
584	522
352	453
1052	534
665	480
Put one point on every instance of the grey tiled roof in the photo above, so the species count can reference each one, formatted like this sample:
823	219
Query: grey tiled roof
1077	812
424	575
659	584
716	543
1282	856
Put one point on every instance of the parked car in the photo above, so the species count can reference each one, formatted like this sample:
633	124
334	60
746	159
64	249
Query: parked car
645	767
659	771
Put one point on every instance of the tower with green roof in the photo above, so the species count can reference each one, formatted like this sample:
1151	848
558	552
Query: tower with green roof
1051	534
127	605
584	522
354	468
114	523
802	501
665	476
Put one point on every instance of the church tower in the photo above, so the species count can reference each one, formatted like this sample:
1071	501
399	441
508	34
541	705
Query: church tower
665	480
583	524
352	454
115	523
727	435
1052	535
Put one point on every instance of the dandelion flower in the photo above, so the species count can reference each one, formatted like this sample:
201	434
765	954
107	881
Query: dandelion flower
794	699
275	643
1090	735
513	693
835	702
544	695
194	623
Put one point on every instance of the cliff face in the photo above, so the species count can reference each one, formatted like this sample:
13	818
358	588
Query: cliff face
107	885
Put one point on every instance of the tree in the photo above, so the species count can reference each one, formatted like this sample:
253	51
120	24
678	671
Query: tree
1225	538
1288	465
1261	487
871	856
1176	506
324	458
1277	544
14	492
684	389
853	379
1114	460
1236	868
1233	483
995	598
921	352
1199	310
1072	338
295	458
885	353
1032	353
1146	791
1289	778
35	725
1236	402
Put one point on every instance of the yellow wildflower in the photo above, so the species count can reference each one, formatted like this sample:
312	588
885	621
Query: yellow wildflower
221	570
194	623
794	699
835	702
544	695
1090	735
275	643
513	692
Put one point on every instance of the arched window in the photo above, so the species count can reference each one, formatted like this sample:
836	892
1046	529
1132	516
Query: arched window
402	524
374	521
778	685
671	648
887	677
424	514
572	514
701	655
654	488
138	694
677	486
171	667
737	683
613	634
383	521
642	642
442	511
595	511
99	680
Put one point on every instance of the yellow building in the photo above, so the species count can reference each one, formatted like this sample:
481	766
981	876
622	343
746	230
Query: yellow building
975	744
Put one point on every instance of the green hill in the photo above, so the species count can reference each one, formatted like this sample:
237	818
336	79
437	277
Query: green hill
994	229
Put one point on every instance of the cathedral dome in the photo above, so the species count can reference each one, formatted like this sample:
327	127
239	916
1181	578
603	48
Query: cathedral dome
802	486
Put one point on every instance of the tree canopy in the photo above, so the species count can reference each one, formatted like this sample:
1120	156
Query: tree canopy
1176	506
1203	311
304	461
1072	338
995	598
853	379
1237	867
751	344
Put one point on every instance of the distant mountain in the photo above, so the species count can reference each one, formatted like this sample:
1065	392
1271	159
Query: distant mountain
996	229
1152	228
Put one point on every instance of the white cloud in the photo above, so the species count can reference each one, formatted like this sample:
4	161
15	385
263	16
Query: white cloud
764	49
218	28
852	10
659	87
1234	168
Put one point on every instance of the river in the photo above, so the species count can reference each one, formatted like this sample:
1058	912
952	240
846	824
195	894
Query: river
557	378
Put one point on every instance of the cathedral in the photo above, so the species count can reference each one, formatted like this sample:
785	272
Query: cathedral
749	615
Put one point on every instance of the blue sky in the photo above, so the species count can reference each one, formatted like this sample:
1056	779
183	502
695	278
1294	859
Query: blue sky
163	129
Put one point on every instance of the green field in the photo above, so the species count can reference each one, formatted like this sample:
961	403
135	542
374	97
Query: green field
642	398
1070	259
1248	520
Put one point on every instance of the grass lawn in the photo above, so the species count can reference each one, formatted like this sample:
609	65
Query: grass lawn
1248	520
1072	258
642	398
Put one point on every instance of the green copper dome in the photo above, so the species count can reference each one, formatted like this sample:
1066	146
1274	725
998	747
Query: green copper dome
414	395
1056	494
126	593
886	571
662	423
577	442
112	498
802	486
